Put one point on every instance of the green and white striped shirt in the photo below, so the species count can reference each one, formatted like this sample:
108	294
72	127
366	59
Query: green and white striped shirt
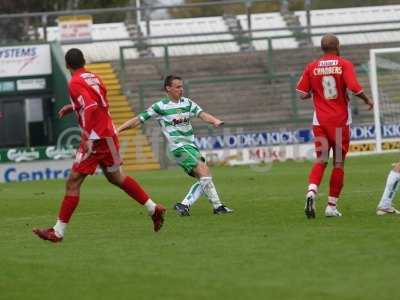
174	119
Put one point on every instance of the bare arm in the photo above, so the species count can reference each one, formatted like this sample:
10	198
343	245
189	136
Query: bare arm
129	124
65	110
304	96
366	99
208	118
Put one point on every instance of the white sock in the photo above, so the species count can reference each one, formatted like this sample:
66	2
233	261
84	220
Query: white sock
209	189
332	201
392	184
59	228
150	206
194	193
313	187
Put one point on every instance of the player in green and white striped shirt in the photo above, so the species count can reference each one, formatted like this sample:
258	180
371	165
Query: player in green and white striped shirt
173	114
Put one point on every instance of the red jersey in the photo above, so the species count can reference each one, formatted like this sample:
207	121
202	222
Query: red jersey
328	80
89	101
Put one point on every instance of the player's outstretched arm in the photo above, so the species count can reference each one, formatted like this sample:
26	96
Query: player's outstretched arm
304	96
65	110
129	124
366	99
208	118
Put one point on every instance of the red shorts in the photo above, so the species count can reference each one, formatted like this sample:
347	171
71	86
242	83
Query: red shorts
106	155
335	138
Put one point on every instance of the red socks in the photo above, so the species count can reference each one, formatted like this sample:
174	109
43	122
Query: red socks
336	182
67	208
316	174
133	189
130	186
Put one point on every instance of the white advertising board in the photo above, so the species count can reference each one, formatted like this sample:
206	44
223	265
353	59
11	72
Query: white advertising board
29	60
27	171
257	155
31	84
75	28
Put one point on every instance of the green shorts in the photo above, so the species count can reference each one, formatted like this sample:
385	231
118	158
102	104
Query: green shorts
188	157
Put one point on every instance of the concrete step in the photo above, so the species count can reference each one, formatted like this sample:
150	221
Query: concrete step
127	134
132	136
138	154
120	116
98	66
133	150
112	87
119	101
141	167
113	92
104	72
137	157
118	98
117	104
118	109
119	122
111	82
108	76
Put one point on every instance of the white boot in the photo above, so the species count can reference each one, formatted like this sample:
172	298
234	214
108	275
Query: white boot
332	211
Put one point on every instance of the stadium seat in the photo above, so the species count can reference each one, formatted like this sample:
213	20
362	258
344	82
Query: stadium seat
104	51
189	26
99	50
269	21
352	15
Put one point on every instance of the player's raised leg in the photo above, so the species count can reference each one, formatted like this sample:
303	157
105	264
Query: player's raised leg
190	159
68	206
385	206
195	192
202	172
135	191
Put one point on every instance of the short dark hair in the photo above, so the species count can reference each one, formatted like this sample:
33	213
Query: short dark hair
74	58
168	80
329	42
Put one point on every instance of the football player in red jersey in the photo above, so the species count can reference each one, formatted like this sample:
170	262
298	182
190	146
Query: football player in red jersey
326	80
99	147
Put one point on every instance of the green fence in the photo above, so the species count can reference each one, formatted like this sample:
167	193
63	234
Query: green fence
298	114
299	117
245	126
190	84
28	154
267	79
166	57
270	53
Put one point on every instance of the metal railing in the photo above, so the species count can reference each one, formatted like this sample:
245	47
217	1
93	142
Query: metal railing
143	8
267	30
293	117
235	127
291	79
141	12
269	40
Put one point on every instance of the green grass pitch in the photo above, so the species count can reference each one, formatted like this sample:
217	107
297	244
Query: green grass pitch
267	249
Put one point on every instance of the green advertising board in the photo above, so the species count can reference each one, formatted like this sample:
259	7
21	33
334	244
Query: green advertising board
36	153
